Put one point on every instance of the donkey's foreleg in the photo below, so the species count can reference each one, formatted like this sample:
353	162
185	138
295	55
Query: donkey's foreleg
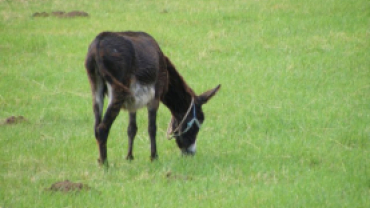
131	132
152	128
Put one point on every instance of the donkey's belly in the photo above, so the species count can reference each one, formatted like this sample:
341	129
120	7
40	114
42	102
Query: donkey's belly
142	96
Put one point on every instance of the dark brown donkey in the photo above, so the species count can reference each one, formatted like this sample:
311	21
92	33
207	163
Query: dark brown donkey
130	68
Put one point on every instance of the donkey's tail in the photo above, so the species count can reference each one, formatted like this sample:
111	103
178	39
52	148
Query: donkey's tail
104	71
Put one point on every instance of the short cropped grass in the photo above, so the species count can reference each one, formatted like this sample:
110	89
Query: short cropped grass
290	126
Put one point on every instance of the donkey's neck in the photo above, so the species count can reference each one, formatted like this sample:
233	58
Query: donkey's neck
177	102
179	95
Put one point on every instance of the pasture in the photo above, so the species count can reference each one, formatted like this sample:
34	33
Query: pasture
290	126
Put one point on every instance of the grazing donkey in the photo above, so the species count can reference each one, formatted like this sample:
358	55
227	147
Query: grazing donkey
130	68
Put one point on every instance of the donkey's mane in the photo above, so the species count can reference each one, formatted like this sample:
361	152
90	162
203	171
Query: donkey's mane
179	95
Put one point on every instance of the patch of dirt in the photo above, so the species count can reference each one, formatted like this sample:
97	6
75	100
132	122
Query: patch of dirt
76	14
14	120
68	186
171	176
164	11
40	14
61	14
58	13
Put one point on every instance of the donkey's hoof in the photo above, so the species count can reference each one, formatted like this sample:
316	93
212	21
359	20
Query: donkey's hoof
130	157
102	162
153	158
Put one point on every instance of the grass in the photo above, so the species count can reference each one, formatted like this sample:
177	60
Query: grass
289	128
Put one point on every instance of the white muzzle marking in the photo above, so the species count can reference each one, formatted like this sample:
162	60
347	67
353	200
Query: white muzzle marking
192	148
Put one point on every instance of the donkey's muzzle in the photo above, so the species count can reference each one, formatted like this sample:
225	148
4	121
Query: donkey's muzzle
190	150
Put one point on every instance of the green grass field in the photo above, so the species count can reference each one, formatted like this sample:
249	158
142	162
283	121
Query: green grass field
290	126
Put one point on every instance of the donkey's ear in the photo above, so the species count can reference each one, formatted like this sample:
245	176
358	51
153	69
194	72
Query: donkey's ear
204	97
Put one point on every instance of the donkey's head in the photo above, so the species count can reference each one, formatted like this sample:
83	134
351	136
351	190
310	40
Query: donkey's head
185	131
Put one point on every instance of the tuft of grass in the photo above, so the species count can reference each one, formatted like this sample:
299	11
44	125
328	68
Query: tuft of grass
289	128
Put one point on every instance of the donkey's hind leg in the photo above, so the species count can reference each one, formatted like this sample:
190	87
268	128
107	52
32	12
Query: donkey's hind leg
103	131
98	101
114	106
97	87
131	132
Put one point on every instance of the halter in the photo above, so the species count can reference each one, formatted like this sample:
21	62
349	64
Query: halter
171	133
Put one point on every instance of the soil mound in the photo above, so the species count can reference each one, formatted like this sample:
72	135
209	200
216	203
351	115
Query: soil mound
68	186
14	120
61	14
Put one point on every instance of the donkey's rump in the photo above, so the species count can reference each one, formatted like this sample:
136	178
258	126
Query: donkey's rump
132	61
126	54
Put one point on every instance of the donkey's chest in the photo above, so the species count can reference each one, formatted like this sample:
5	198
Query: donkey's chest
142	96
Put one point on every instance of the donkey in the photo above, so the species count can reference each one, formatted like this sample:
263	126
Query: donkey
130	68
